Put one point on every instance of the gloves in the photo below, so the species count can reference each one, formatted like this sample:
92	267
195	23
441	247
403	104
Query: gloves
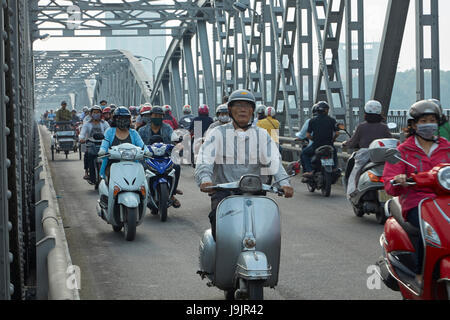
101	152
148	153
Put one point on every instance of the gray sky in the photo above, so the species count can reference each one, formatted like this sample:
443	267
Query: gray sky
375	11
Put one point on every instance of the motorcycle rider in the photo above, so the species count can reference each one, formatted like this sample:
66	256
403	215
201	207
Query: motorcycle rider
301	135
203	117
95	125
85	112
119	133
75	117
141	119
156	126
371	129
322	130
222	115
208	171
424	149
260	113
186	119
103	104
63	114
269	123
106	114
169	118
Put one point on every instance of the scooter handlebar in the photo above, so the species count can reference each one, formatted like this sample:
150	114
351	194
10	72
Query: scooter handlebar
409	182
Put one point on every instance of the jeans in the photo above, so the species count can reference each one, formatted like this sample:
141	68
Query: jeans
91	160
308	153
412	216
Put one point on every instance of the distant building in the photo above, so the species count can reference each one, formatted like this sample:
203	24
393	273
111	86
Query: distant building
371	50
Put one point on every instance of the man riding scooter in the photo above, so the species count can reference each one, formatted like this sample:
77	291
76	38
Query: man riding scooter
322	130
241	106
423	149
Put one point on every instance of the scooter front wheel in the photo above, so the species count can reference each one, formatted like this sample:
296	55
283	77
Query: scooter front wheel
255	289
129	225
163	199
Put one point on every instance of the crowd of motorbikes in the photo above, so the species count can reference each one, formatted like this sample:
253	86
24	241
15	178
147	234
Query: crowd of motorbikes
245	256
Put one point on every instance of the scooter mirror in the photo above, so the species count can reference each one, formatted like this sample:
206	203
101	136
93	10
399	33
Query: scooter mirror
392	156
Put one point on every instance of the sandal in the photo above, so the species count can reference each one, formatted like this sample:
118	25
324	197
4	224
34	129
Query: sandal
175	202
178	191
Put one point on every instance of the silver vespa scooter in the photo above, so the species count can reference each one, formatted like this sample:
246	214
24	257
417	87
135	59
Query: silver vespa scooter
126	192
246	256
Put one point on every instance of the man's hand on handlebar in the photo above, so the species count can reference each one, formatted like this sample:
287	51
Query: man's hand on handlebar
288	191
204	185
401	179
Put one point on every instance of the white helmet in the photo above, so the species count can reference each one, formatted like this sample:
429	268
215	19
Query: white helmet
221	108
167	108
270	111
187	109
372	107
260	109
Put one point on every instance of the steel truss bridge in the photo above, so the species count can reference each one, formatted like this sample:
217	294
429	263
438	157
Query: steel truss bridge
216	46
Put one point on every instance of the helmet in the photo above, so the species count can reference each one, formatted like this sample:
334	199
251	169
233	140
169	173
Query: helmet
107	109
221	108
261	109
242	95
314	110
372	107
122	112
270	111
437	102
187	108
157	110
63	102
146	109
203	109
424	107
96	107
85	109
167	108
322	106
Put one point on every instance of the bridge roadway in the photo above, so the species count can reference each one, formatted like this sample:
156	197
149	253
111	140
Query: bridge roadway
326	249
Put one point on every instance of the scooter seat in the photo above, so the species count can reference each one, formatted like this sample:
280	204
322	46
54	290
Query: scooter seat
395	209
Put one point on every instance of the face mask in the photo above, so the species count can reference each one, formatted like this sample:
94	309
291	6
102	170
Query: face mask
157	121
96	116
224	119
123	123
427	131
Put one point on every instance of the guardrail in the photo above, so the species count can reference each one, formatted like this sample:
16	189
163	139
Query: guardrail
53	264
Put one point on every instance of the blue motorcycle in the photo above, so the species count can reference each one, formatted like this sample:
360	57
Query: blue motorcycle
160	175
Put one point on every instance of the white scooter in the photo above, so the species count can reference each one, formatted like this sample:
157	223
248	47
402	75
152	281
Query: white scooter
123	199
246	256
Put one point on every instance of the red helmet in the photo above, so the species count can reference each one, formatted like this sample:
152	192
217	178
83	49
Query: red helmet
145	109
167	108
203	109
106	110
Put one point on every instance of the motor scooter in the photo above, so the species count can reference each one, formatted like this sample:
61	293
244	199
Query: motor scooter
397	262
369	196
160	176
123	196
245	257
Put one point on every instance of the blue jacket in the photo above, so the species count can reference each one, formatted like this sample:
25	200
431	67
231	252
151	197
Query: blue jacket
109	138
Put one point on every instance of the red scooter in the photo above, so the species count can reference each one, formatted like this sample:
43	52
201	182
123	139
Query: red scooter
398	261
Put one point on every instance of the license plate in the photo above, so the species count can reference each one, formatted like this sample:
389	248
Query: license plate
327	162
383	196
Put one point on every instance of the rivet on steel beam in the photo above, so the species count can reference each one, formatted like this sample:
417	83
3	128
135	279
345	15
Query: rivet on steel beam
11	257
8	194
7	131
9	226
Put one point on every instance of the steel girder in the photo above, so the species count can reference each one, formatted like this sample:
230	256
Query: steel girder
102	18
120	76
431	22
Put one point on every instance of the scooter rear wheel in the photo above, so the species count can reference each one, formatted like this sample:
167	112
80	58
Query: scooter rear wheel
117	228
163	199
326	189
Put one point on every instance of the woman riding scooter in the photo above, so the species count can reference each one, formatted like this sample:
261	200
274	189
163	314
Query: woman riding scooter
424	149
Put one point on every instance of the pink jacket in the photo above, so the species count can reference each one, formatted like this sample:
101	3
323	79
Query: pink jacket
409	196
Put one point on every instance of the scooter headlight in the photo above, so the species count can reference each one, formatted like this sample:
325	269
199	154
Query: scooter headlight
250	183
159	149
429	234
128	154
444	178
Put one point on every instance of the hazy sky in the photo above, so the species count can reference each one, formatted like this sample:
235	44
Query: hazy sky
375	11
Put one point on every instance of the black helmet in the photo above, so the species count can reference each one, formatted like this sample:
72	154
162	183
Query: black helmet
121	112
242	95
157	110
321	106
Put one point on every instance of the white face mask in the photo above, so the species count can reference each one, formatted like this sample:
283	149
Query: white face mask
224	119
